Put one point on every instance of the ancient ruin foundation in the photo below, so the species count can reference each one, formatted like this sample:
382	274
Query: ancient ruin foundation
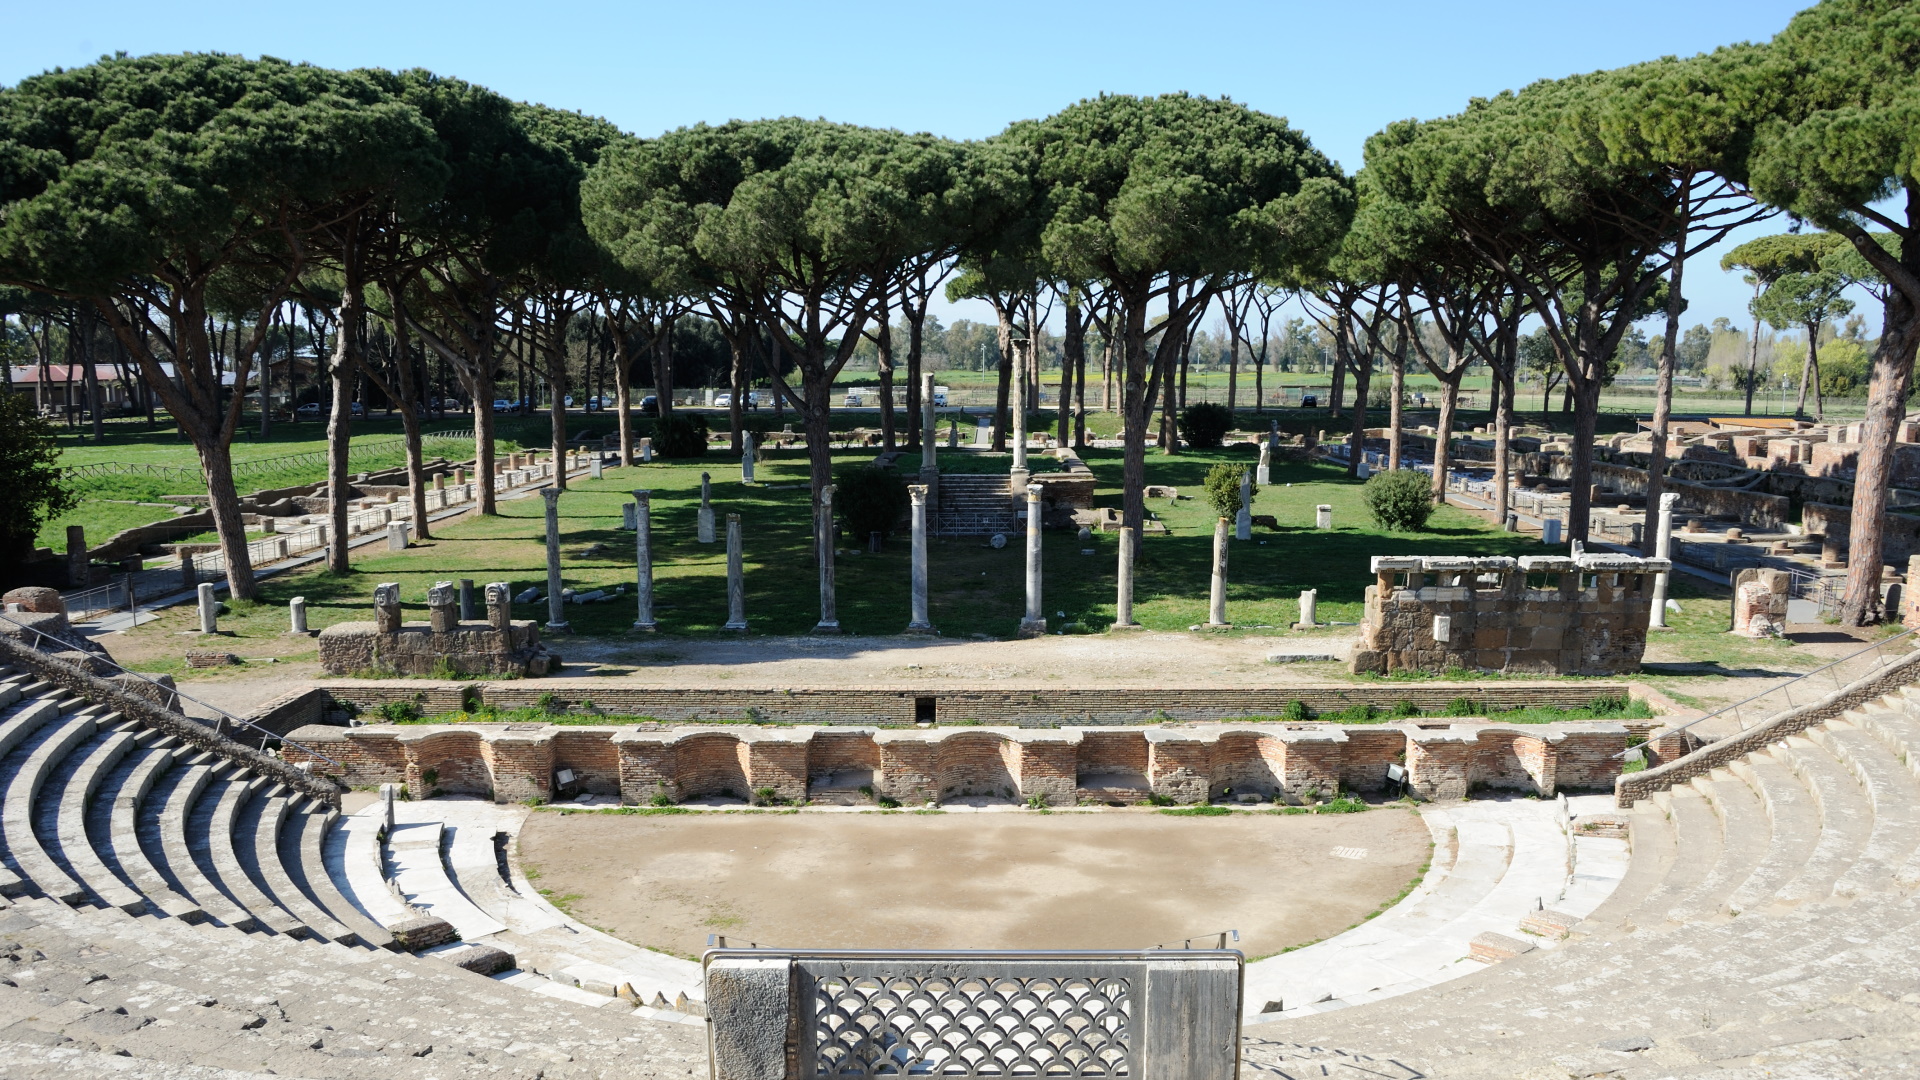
500	646
1585	615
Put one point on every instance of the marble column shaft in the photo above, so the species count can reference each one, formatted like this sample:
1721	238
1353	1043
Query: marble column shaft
556	604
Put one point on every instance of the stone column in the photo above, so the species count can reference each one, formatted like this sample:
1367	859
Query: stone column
823	549
440	482
1035	624
1323	516
1550	531
953	432
736	578
1217	596
1123	603
929	459
297	616
188	578
626	517
499	605
1263	472
1243	518
209	609
703	524
466	599
1663	549
920	624
1309	602
386	607
270	525
396	536
746	457
459	476
646	451
556	603
77	556
594	463
443	613
642	514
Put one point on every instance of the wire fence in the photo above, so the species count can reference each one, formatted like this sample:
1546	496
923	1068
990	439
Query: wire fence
307	460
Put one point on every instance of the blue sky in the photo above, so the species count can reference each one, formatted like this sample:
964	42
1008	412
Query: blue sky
1338	71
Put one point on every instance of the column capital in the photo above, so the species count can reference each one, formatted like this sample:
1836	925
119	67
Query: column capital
1033	492
918	493
552	495
643	496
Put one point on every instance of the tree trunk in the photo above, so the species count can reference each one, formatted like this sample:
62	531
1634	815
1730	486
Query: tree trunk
1338	391
1886	407
1503	429
1005	389
1586	419
1663	402
1399	390
1136	405
216	461
1443	430
1073	353
622	388
410	421
1362	376
1753	355
1080	393
916	329
487	503
883	345
737	399
663	370
340	418
1171	347
1233	365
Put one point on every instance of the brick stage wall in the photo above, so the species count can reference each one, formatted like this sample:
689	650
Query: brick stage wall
1183	764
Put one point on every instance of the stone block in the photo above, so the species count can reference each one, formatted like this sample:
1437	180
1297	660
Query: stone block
1491	948
423	932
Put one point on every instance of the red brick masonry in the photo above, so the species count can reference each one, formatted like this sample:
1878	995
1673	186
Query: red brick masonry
1187	763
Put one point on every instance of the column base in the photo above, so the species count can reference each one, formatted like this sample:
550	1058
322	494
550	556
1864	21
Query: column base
1308	626
738	628
1125	627
646	627
1033	628
1212	627
826	628
1661	627
558	628
921	628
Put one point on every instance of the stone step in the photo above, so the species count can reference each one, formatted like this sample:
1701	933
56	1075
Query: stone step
1795	826
1744	834
23	775
176	852
1898	729
1652	859
308	868
79	791
256	840
1697	836
1895	796
228	871
419	870
134	801
1846	819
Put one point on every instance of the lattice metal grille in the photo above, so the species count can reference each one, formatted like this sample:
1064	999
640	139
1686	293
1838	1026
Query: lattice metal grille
998	1026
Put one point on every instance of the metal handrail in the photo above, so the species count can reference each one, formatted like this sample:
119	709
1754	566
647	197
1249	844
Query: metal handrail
68	646
1881	644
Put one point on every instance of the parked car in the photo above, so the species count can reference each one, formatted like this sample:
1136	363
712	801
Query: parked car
723	400
1310	401
357	409
310	411
501	404
596	403
650	406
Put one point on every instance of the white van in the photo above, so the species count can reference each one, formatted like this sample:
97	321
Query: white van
939	397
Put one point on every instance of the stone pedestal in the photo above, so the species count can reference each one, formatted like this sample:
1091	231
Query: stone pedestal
627	520
646	451
188	576
1760	602
1323	516
928	454
209	609
736	578
440	482
1035	623
1550	531
1910	596
1123	602
396	536
919	623
466	600
1309	613
1243	517
499	596
703	523
297	616
556	603
386	608
746	457
270	526
443	612
1263	472
1217	595
459	476
594	464
641	511
823	549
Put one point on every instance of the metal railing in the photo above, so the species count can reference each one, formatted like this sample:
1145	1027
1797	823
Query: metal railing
224	718
1800	690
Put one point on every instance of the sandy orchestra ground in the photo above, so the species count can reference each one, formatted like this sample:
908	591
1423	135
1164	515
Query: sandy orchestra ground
994	879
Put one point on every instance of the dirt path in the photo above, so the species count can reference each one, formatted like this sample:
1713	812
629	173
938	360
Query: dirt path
993	879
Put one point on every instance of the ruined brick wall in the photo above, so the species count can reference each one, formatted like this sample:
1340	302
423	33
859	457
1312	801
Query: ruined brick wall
1179	768
1049	769
1899	533
972	763
907	770
649	766
711	764
590	753
1440	767
520	764
779	764
831	752
1240	764
1113	752
1567	616
454	758
1363	766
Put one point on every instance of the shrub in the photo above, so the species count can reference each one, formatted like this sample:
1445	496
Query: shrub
1343	804
400	712
1202	426
682	435
1380	395
870	501
1223	488
1400	500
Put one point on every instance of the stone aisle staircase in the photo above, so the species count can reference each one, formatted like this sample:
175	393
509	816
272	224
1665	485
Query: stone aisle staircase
975	505
1767	925
168	895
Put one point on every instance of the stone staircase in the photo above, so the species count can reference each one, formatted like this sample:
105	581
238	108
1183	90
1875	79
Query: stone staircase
176	898
1766	925
976	505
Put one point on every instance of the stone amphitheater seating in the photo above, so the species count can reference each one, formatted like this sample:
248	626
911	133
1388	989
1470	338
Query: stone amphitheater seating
1767	925
172	906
